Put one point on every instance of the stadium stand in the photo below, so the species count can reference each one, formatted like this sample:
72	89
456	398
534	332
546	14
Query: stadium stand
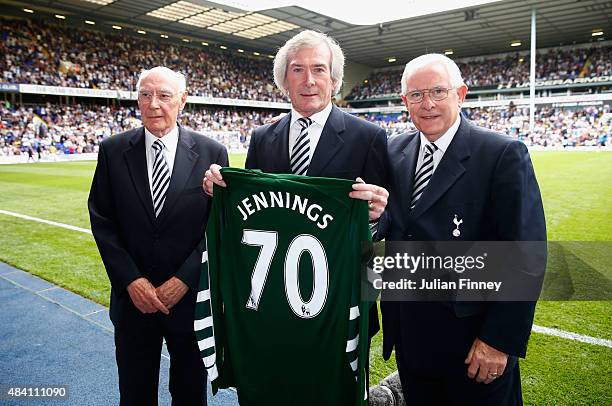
74	129
38	52
41	52
78	129
510	69
554	127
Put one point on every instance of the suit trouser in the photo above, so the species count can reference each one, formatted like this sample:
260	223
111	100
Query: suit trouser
138	342
460	390
430	356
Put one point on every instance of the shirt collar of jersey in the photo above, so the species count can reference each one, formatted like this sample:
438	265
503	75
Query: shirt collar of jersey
320	118
444	141
170	140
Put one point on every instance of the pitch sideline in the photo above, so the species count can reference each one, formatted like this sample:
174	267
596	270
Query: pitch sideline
53	223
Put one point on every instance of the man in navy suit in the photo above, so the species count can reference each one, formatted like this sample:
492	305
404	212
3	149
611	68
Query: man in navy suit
451	180
148	216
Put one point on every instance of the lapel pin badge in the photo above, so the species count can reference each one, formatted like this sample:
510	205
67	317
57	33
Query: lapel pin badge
457	221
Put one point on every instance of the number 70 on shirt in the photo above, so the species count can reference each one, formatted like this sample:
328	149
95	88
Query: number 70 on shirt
268	242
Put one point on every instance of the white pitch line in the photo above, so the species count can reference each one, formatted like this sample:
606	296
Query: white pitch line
53	223
568	335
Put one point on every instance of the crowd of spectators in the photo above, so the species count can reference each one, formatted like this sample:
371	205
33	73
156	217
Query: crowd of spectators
52	129
37	52
512	69
393	124
55	129
553	127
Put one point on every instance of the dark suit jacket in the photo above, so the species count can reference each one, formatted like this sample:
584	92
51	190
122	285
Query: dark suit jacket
488	180
349	147
131	240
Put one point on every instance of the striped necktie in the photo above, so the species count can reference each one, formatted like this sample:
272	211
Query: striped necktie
160	178
300	154
423	175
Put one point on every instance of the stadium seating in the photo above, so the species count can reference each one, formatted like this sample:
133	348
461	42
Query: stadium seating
37	52
511	69
554	127
78	129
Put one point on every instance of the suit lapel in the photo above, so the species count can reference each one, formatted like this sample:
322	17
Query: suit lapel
184	161
279	146
405	167
448	170
329	143
137	166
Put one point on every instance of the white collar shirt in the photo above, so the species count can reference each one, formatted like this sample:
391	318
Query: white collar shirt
314	131
170	141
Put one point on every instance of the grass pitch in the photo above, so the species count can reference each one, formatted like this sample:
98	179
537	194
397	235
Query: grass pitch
577	193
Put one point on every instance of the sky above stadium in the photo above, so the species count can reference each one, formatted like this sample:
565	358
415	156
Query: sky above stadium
361	12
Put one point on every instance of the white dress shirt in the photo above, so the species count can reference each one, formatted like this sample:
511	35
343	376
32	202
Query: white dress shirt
442	143
314	131
170	141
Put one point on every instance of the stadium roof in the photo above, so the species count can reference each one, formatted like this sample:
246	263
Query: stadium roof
467	31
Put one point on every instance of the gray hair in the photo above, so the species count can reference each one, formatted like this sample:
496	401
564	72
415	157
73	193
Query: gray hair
431	59
175	77
303	40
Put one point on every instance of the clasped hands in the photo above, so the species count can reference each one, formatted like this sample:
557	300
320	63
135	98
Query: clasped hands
376	196
149	299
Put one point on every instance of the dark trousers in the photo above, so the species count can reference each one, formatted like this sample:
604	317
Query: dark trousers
430	358
460	390
138	342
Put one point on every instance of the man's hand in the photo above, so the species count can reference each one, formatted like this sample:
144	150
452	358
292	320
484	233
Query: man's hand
172	291
212	175
376	196
485	362
144	297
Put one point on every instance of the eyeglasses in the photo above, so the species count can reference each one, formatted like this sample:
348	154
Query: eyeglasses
437	94
162	97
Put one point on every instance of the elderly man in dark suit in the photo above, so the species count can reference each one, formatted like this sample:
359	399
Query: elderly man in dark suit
148	216
452	180
317	138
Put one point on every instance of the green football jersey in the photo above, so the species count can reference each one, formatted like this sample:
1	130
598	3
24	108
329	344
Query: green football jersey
279	313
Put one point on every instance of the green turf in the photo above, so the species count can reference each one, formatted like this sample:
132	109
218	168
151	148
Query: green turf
563	372
237	160
67	258
53	191
577	193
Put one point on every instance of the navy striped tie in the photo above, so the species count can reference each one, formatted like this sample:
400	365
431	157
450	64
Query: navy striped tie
300	154
160	178
423	175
